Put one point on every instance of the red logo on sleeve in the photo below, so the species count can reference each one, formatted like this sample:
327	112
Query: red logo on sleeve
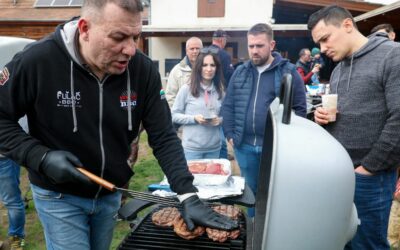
4	76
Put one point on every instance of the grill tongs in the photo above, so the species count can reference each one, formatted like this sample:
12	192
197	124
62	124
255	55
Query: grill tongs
129	193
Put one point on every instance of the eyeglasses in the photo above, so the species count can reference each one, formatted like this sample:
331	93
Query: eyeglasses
209	50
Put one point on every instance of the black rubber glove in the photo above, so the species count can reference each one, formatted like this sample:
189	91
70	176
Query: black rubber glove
60	167
194	211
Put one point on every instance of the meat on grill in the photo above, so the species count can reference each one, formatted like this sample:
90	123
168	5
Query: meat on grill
182	231
206	168
228	210
170	216
221	235
165	217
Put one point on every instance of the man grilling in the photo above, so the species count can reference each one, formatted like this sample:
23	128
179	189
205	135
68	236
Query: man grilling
85	90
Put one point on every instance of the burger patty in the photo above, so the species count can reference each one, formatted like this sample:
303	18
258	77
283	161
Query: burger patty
170	216
166	217
182	231
228	210
221	235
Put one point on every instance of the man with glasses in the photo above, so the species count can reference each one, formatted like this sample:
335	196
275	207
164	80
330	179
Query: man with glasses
180	73
252	88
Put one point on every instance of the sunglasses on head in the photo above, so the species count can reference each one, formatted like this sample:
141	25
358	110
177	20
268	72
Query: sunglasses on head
209	50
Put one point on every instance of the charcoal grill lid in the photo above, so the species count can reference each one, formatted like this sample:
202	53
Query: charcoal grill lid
286	98
294	175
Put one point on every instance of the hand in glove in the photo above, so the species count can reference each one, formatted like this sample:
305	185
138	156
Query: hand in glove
60	167
194	211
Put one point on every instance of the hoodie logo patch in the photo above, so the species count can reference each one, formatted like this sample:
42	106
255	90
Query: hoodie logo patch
4	76
123	99
64	99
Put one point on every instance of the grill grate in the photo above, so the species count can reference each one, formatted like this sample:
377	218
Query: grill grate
147	236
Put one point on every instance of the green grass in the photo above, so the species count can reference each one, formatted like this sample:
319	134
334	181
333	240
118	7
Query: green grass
146	170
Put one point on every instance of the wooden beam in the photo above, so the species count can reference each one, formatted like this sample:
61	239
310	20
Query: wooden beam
27	29
349	5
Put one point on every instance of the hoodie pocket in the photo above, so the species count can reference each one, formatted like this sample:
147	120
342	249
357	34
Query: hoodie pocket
358	130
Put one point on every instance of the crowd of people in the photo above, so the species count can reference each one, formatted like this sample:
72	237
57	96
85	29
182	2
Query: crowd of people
309	65
107	90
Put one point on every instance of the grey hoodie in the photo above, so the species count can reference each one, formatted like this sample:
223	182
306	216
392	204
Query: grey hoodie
196	137
368	88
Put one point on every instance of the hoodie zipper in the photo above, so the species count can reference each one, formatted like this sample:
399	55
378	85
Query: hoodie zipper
100	83
254	109
103	156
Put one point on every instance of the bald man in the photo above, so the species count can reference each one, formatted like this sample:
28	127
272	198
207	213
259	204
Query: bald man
180	73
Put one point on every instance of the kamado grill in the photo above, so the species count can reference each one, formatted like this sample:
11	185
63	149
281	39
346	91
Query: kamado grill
304	199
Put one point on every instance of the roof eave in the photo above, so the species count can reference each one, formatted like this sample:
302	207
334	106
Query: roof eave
208	28
378	11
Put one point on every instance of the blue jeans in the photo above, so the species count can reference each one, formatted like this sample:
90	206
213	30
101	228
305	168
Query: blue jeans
248	158
10	195
224	149
373	199
195	155
73	222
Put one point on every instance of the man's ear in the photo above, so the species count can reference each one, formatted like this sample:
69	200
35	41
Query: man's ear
348	25
392	35
83	27
272	44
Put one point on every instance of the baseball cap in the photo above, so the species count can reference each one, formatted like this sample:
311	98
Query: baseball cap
315	51
220	33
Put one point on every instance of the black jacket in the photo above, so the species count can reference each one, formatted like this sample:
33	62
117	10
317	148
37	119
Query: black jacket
227	67
41	80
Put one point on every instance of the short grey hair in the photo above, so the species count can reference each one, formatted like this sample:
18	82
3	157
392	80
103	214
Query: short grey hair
303	52
93	6
192	39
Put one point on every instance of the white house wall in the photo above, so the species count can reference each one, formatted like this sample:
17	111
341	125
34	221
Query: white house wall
170	47
165	47
184	13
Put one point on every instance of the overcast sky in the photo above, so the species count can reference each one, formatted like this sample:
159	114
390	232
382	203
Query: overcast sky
382	1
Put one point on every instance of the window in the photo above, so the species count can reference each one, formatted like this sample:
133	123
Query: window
58	3
211	8
170	63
